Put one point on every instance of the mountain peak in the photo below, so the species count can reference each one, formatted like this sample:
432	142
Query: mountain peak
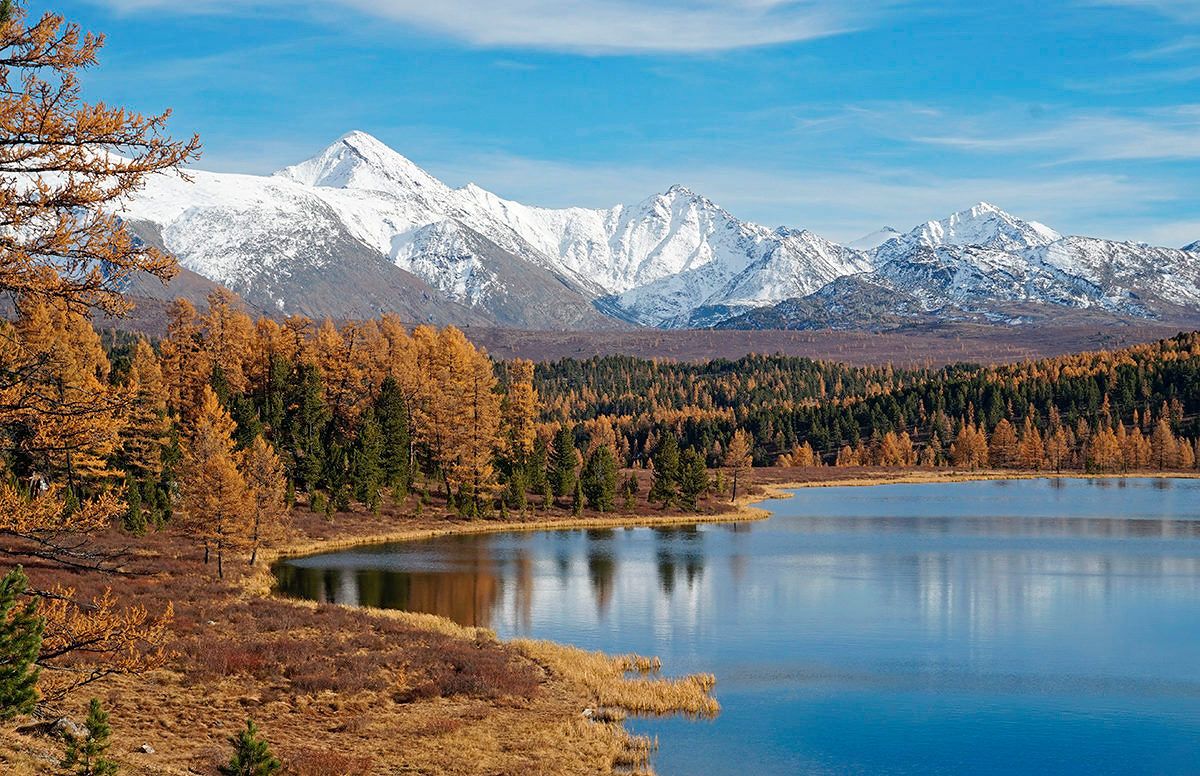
873	240
358	160
986	225
1195	247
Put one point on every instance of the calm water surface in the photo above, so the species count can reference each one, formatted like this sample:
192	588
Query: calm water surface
1039	626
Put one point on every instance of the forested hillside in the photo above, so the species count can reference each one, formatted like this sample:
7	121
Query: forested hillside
1106	411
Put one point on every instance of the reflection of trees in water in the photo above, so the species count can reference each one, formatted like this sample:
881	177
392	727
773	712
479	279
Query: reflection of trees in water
467	597
678	547
523	599
601	565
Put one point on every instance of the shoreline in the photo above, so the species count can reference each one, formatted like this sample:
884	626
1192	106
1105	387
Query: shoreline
614	685
747	509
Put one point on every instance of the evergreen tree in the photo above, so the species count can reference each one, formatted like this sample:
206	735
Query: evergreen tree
20	643
135	516
86	756
665	488
577	499
693	480
599	479
391	412
305	422
367	459
563	459
251	755
630	489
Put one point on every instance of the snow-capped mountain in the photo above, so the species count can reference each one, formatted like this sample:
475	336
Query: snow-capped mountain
359	229
1193	246
874	239
985	265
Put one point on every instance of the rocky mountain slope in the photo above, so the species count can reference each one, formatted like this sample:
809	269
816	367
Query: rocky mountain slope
359	229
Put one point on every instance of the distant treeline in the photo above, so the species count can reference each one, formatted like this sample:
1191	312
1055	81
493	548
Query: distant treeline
1065	412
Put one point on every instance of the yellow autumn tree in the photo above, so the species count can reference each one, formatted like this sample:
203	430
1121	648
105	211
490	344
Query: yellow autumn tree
1104	450
970	448
185	361
521	409
64	163
147	425
1003	445
213	504
72	414
228	335
265	484
475	438
1031	452
739	457
1164	445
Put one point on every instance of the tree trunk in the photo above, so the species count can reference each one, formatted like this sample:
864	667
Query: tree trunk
220	564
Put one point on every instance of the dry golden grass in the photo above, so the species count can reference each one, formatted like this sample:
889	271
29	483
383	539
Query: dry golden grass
629	682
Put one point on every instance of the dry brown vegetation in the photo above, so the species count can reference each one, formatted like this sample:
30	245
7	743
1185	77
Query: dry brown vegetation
339	690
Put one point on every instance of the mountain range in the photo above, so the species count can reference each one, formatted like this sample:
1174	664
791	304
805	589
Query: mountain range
359	229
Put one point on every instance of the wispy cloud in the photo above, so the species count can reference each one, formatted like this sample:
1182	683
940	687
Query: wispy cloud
587	26
1163	134
1188	10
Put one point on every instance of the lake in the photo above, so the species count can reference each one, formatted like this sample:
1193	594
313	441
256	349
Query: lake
1028	626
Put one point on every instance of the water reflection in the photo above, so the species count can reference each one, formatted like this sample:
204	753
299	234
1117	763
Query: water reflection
955	628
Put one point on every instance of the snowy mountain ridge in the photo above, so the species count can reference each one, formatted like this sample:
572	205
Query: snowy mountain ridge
363	213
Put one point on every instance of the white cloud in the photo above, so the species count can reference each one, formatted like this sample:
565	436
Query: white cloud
588	26
1187	10
1168	133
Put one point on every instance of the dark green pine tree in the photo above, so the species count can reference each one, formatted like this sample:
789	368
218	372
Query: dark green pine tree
367	459
693	480
600	479
20	643
563	459
629	490
665	488
516	489
538	461
391	411
85	756
251	754
135	515
577	499
305	424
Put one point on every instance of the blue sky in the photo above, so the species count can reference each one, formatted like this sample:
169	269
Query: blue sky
1084	114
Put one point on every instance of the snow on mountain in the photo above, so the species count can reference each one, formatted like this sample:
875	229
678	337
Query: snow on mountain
874	239
1195	247
984	225
394	236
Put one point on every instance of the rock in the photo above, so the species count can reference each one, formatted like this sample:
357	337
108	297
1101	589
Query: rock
146	749
63	727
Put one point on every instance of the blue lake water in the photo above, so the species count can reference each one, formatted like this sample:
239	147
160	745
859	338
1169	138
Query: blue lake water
1035	626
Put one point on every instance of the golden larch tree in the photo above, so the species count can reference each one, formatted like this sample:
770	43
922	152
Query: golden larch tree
265	484
213	502
147	425
64	165
72	413
520	410
739	457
